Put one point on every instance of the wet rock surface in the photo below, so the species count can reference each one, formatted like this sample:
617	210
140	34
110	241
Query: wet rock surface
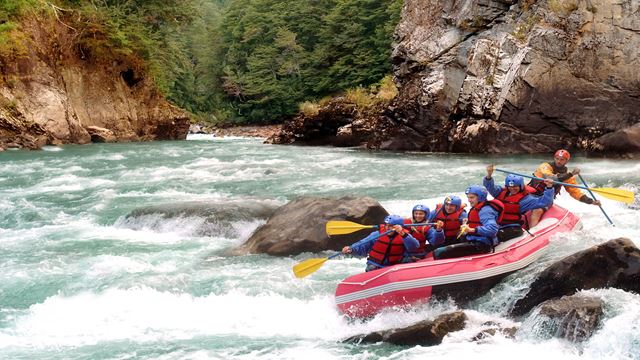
615	263
574	318
300	225
424	333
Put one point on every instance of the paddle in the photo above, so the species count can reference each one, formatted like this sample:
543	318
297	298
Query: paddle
341	227
621	195
310	266
594	198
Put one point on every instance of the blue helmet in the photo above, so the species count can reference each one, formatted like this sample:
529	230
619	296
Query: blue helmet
421	207
479	190
453	200
394	220
514	180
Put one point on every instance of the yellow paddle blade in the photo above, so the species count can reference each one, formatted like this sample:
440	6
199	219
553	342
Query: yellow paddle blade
340	227
621	195
308	267
463	229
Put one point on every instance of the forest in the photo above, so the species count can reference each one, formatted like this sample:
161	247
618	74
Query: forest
231	61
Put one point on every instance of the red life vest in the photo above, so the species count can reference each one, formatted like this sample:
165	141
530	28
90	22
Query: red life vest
512	205
420	233
386	248
451	221
474	213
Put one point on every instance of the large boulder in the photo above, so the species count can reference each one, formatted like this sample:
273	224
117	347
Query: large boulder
424	333
574	318
299	226
625	141
615	263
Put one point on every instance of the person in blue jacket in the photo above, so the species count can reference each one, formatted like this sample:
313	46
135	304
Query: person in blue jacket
517	199
387	246
478	236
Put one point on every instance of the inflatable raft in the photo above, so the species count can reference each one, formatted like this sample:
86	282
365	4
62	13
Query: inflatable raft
461	278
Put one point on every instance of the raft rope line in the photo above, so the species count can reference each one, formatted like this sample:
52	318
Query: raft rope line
431	263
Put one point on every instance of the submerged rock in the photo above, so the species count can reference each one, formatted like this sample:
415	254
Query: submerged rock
574	318
615	263
493	329
299	226
206	218
424	333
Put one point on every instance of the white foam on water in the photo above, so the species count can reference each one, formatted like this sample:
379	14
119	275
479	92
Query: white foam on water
144	314
66	183
51	148
104	265
619	334
200	137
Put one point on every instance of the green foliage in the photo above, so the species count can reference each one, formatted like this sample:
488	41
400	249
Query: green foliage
10	11
234	61
278	54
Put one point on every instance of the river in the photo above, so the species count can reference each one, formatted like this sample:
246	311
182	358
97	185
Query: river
79	279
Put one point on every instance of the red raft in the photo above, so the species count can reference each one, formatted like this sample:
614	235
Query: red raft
461	278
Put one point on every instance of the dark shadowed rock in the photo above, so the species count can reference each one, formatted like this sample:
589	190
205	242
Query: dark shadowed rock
100	134
424	333
299	226
615	263
625	141
573	318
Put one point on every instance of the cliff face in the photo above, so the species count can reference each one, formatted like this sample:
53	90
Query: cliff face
54	91
527	76
506	76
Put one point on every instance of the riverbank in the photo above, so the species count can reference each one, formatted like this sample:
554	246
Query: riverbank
261	131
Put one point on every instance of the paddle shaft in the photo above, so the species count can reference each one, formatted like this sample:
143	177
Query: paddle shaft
594	198
541	179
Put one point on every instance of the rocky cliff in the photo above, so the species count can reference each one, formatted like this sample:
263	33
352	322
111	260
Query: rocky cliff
54	91
505	76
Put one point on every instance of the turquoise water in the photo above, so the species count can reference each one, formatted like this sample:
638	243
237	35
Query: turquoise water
82	280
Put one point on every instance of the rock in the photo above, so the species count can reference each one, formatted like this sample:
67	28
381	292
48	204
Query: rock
52	94
615	263
625	142
320	128
424	333
509	333
261	131
299	226
499	76
540	76
574	318
100	135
